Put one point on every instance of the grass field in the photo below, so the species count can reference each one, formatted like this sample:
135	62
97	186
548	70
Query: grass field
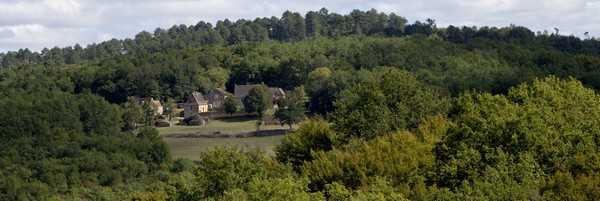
191	147
243	124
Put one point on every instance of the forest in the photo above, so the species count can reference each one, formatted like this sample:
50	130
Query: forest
397	111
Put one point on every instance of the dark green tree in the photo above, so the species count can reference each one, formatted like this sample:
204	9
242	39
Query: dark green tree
149	114
170	108
133	115
291	27
386	100
291	108
258	100
230	104
152	149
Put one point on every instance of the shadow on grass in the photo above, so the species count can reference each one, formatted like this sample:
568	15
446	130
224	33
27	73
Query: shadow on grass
233	119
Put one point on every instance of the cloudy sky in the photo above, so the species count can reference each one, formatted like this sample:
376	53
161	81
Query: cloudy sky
35	24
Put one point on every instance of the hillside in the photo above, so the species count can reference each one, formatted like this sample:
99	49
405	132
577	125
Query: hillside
401	111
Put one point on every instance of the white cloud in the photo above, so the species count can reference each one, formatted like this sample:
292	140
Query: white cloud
36	24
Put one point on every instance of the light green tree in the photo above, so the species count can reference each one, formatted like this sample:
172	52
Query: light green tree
217	76
546	129
314	134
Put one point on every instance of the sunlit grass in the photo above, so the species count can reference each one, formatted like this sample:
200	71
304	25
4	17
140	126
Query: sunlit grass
242	124
191	147
233	125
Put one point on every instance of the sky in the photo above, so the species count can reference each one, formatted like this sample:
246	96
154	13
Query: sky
36	24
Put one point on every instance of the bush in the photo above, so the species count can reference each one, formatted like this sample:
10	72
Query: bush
313	135
183	165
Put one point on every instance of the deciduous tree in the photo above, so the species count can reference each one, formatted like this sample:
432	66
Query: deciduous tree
386	100
291	108
230	104
258	100
314	134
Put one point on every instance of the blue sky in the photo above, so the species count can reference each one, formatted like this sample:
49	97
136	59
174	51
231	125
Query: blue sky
35	24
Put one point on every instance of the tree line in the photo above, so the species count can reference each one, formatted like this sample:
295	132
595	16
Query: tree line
324	66
292	26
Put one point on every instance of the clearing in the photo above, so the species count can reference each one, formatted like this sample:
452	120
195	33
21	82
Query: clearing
191	147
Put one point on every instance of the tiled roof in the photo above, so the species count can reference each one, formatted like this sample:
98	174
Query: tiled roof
196	98
242	91
220	90
276	91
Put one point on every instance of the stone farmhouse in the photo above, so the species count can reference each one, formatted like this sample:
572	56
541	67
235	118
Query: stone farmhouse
216	97
195	104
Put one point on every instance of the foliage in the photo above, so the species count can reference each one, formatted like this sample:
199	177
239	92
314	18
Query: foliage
258	100
544	128
149	113
291	26
170	108
64	138
287	188
56	143
230	104
183	165
313	135
133	115
218	76
487	62
225	169
403	158
291	108
565	186
387	100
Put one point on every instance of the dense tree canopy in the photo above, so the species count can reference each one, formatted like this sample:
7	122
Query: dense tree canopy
386	100
55	142
404	111
551	121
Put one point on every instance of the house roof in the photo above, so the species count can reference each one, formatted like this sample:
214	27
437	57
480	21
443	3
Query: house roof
196	98
219	90
242	91
276	92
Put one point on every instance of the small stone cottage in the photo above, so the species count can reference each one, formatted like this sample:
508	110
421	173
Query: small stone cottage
195	104
216	97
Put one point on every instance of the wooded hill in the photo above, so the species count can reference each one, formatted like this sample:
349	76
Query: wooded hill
412	111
